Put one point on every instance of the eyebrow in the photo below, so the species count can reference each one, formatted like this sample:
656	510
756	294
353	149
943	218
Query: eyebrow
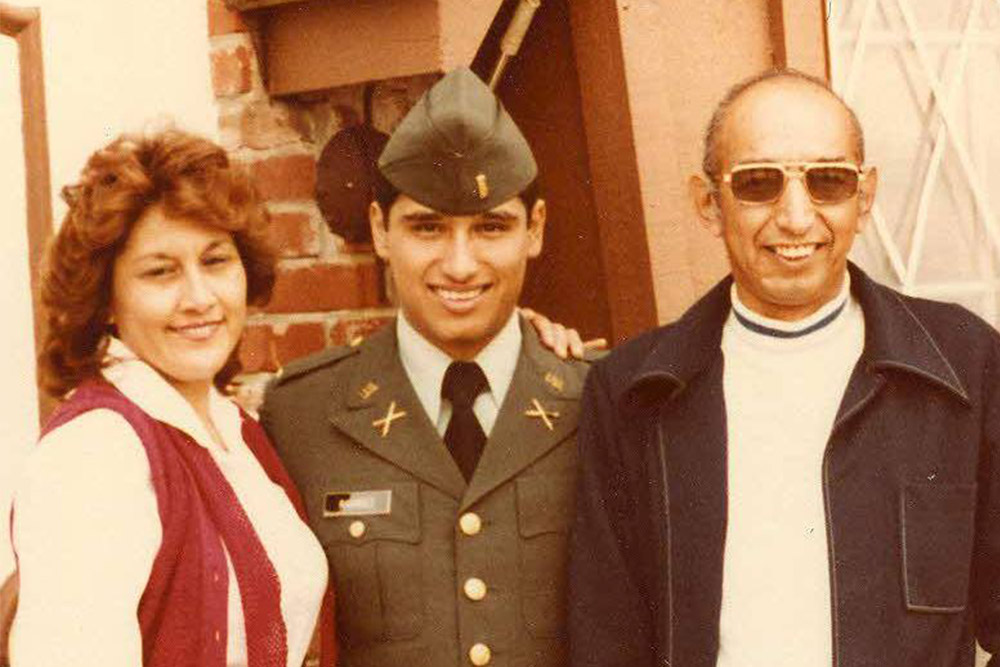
421	216
160	255
432	216
505	216
839	158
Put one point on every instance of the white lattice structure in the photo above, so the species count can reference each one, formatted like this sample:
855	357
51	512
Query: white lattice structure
924	77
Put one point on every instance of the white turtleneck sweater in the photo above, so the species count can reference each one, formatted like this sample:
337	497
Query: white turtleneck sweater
782	391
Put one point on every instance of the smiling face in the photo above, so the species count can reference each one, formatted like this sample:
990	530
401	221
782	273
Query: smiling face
458	277
789	257
179	298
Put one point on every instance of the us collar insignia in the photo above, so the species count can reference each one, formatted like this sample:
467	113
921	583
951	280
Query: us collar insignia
385	423
539	412
368	390
554	381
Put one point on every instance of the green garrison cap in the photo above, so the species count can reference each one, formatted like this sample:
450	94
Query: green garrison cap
458	151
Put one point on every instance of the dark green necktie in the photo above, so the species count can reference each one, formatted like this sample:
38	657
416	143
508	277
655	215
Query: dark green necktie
463	382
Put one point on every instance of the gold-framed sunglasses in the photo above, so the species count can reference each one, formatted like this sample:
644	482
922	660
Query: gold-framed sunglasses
764	182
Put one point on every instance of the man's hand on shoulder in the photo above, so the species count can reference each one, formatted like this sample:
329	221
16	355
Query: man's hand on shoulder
564	342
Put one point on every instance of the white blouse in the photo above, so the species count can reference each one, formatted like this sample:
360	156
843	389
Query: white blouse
86	530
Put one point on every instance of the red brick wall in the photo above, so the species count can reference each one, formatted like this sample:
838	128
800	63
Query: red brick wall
327	291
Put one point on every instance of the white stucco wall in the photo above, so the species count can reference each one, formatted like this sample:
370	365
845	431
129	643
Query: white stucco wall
110	66
19	407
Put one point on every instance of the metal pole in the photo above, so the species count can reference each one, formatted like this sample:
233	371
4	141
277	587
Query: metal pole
511	42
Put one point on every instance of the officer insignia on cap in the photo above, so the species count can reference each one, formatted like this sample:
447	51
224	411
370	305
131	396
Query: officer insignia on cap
455	135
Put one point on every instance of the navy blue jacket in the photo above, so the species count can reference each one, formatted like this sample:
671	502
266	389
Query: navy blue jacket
911	478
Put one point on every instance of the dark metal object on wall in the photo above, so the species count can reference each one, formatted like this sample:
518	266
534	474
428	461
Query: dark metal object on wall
345	176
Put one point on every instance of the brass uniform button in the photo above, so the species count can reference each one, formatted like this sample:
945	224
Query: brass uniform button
470	523
357	529
475	588
480	654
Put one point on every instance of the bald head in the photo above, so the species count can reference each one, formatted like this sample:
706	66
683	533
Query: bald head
716	133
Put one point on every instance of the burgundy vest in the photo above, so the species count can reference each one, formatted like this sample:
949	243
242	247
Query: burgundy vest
183	610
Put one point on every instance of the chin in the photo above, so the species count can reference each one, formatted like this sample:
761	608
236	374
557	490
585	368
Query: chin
203	370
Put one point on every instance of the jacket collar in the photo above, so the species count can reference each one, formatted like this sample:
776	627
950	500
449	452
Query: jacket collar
895	340
379	389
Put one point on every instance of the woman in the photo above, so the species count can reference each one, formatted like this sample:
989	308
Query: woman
154	524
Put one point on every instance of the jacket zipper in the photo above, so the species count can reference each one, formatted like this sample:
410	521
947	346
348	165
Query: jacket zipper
666	538
831	560
830	546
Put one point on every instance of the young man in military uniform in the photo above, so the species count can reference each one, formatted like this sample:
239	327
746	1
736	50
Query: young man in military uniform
437	459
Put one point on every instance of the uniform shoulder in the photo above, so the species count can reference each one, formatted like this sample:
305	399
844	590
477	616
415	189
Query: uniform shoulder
581	366
591	356
313	363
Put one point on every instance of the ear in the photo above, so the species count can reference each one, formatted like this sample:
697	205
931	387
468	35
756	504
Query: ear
380	230
536	228
704	196
866	195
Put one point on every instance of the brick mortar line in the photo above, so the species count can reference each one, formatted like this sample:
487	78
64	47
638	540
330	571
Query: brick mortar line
255	94
287	318
331	315
327	320
284	206
230	40
250	156
234	105
352	261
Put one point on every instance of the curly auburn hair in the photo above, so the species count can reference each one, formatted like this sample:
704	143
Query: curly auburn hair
189	177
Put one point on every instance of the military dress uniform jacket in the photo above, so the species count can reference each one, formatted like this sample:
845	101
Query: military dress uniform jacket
430	571
911	484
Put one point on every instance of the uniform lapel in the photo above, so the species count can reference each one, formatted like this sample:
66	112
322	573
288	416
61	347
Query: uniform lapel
519	439
409	441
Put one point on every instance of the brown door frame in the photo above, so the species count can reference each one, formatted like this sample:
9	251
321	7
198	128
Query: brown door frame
23	24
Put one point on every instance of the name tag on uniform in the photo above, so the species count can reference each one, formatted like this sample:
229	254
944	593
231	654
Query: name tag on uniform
357	503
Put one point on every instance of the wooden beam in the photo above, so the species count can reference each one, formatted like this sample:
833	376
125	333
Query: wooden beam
799	35
247	5
614	170
309	46
15	19
651	73
24	25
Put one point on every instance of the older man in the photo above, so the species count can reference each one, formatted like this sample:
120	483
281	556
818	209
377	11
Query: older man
803	469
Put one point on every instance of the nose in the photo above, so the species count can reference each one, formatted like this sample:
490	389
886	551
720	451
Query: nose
196	291
459	263
796	213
